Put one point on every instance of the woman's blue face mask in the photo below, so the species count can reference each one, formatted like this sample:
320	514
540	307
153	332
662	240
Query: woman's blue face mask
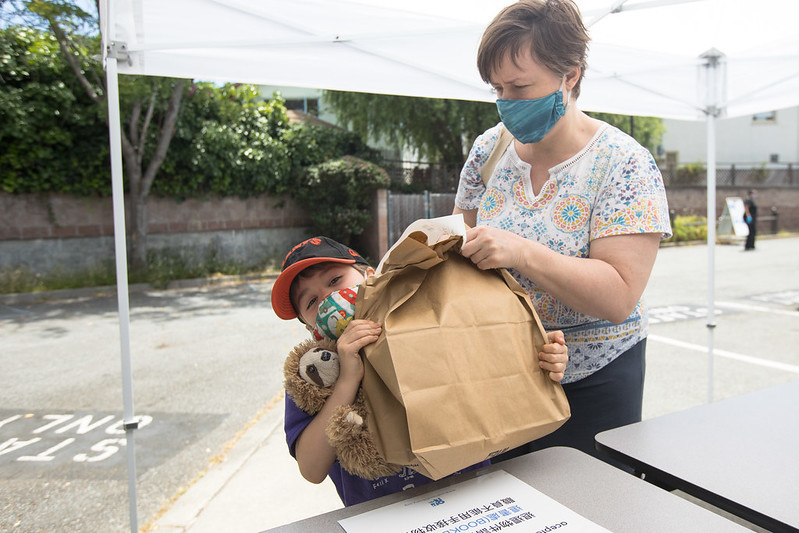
529	120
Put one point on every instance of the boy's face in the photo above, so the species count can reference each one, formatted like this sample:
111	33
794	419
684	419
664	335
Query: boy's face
319	285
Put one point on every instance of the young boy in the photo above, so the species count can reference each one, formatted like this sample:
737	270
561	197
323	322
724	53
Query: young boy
312	271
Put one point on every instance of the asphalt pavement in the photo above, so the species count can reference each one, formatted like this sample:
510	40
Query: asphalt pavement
249	482
755	338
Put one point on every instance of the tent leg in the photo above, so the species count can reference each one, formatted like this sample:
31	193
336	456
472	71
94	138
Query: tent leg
120	245
711	247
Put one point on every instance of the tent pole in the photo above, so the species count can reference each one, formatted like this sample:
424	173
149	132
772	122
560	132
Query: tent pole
712	60
115	143
711	247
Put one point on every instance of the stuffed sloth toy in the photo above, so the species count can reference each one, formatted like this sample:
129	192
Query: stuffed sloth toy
310	371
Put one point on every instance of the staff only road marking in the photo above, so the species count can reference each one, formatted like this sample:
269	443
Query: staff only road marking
788	297
729	355
87	445
758	308
675	313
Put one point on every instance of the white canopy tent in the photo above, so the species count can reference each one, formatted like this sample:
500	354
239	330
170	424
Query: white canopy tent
682	59
644	55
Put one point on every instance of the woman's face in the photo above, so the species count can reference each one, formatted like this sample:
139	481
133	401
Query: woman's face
524	79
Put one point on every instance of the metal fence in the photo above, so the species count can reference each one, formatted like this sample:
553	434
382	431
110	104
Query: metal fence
406	208
411	176
771	175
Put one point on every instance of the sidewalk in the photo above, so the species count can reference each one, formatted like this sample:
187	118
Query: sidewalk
256	487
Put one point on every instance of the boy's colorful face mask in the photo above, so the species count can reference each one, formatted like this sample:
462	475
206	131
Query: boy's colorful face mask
335	313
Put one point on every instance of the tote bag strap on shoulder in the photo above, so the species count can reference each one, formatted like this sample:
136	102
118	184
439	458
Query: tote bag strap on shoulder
503	142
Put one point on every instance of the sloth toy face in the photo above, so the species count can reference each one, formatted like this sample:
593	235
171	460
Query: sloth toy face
310	373
320	367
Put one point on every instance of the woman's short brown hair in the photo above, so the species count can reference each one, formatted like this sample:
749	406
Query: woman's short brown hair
552	29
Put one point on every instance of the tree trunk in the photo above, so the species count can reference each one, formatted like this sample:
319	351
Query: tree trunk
138	234
139	179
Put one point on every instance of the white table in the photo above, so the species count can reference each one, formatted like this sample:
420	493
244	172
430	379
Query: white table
601	493
739	454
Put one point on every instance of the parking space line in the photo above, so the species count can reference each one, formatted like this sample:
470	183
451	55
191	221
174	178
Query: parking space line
15	311
759	308
729	355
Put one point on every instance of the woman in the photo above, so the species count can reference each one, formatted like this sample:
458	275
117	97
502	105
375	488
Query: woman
574	208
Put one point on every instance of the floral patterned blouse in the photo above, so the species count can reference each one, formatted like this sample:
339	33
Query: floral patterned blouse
611	187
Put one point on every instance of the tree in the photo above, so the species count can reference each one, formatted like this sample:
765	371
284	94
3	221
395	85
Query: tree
442	131
338	193
152	104
439	130
52	136
227	142
646	130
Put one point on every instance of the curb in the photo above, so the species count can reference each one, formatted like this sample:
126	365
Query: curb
767	237
110	290
186	509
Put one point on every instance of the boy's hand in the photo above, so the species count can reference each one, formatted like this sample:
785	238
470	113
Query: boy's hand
554	355
358	334
314	453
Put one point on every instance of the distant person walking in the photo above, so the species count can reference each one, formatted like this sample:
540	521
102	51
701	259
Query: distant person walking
750	216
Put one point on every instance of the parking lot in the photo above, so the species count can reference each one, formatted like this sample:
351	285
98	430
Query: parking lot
207	361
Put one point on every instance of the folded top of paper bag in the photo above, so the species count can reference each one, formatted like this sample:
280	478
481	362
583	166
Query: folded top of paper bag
436	229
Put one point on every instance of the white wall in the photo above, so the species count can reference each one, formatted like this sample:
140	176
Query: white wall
738	140
296	93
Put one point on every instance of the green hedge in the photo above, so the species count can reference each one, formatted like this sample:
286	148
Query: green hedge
228	140
53	138
337	194
688	228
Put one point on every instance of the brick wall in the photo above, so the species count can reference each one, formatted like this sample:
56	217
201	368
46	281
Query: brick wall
25	217
693	201
43	232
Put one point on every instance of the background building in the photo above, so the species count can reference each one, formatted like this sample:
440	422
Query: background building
765	138
769	139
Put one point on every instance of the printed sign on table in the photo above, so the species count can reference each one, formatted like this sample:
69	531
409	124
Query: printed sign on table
495	502
731	221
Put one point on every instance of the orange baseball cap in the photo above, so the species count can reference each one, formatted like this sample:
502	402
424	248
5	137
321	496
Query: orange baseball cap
309	252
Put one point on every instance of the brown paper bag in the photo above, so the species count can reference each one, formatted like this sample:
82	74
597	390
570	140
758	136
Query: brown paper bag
453	378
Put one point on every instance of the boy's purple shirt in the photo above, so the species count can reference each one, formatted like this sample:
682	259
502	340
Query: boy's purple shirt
353	489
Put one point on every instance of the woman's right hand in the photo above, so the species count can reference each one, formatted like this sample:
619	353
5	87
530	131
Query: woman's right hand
494	248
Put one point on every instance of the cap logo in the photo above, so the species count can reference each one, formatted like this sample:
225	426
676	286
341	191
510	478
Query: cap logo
313	240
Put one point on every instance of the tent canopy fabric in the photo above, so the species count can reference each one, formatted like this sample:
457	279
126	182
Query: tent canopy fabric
342	45
645	57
